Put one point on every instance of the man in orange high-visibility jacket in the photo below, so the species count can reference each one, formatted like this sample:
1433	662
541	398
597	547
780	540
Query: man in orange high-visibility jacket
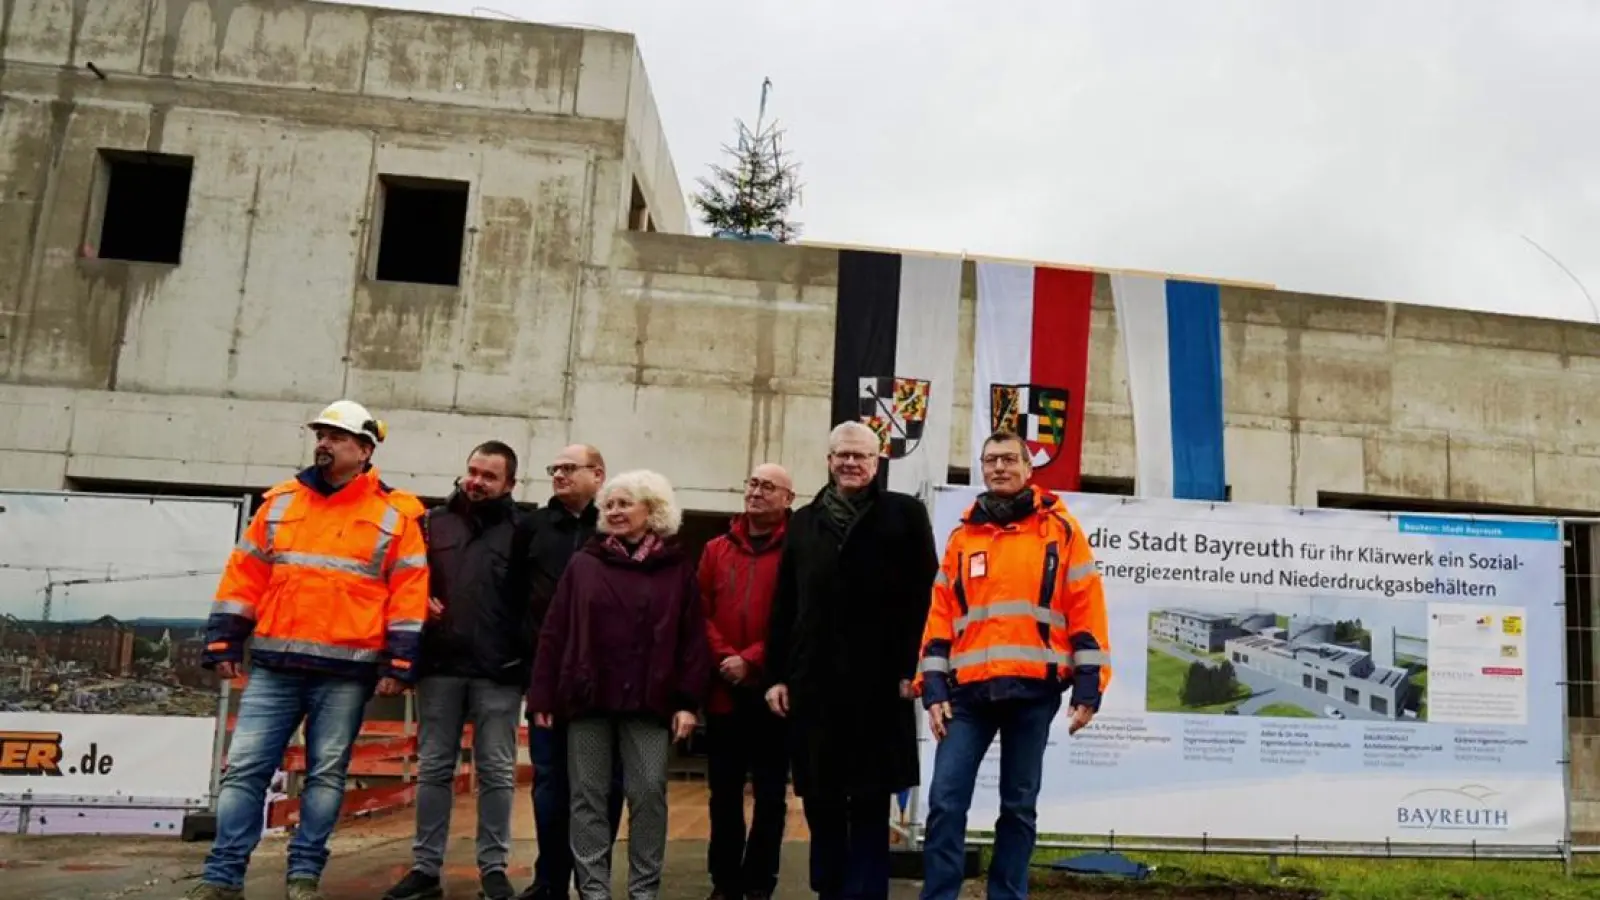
329	587
1018	619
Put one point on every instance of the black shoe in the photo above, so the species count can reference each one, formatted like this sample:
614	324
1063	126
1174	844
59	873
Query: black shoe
496	886
537	891
416	886
758	895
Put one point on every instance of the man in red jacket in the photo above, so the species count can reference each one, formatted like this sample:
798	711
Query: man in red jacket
738	575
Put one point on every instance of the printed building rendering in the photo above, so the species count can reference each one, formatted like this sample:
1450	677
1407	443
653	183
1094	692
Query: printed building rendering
1260	663
1203	631
1342	673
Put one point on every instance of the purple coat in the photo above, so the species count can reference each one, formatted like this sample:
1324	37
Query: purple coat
623	636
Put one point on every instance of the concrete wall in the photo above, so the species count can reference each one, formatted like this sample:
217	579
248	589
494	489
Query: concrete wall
563	326
701	357
648	159
292	111
1322	394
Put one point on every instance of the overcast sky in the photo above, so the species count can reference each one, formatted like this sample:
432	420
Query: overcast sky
1393	151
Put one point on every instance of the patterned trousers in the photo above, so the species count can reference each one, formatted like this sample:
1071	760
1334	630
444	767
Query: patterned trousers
644	744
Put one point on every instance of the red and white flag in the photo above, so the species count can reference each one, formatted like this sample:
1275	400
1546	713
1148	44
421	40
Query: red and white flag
1031	365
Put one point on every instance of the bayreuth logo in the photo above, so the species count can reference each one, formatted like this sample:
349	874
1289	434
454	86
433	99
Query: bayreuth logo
896	410
30	753
1466	808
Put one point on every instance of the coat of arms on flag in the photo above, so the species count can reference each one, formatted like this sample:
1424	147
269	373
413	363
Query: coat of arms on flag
1036	413
896	409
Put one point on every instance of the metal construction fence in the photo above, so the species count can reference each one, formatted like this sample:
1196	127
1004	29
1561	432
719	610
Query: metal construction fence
1581	664
101	597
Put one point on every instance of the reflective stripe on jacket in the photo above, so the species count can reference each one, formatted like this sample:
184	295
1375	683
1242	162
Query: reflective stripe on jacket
332	581
1017	602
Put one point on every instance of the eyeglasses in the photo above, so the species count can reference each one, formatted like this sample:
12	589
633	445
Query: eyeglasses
565	469
994	460
851	455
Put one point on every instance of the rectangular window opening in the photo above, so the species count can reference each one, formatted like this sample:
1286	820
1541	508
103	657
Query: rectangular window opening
422	230
1105	484
146	205
639	211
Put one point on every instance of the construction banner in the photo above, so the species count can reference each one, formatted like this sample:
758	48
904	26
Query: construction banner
1310	674
103	604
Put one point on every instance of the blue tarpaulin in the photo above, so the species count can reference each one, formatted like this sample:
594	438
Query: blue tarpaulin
1114	864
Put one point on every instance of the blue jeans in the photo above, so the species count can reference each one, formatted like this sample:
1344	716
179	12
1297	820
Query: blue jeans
1024	729
552	809
271	708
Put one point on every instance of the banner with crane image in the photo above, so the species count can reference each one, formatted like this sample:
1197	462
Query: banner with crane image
103	604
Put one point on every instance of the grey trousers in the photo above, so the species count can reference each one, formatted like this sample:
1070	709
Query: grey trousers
444	704
644	744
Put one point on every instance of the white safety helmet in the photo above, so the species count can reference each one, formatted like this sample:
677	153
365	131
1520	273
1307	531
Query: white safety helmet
348	415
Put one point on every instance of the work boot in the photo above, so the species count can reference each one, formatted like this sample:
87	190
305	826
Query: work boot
303	888
205	890
416	886
496	886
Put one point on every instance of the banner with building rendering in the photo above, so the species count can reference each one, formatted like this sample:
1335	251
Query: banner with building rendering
1319	675
103	602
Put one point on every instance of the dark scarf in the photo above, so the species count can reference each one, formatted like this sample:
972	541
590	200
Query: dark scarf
992	508
841	513
480	515
639	552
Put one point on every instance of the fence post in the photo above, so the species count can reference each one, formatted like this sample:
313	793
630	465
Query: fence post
203	826
1567	535
219	742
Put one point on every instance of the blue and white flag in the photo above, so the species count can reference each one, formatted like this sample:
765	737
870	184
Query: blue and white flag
1172	339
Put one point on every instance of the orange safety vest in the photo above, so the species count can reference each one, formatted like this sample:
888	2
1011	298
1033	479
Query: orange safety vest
1021	600
335	583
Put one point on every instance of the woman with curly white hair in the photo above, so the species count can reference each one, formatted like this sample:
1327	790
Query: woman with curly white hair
623	663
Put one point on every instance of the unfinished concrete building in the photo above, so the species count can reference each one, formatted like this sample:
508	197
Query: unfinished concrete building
249	207
218	215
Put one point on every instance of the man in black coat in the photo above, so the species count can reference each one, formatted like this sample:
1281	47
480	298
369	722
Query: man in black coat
854	586
477	650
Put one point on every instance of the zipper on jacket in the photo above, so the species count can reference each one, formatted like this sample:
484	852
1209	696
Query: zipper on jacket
960	587
744	607
1047	593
